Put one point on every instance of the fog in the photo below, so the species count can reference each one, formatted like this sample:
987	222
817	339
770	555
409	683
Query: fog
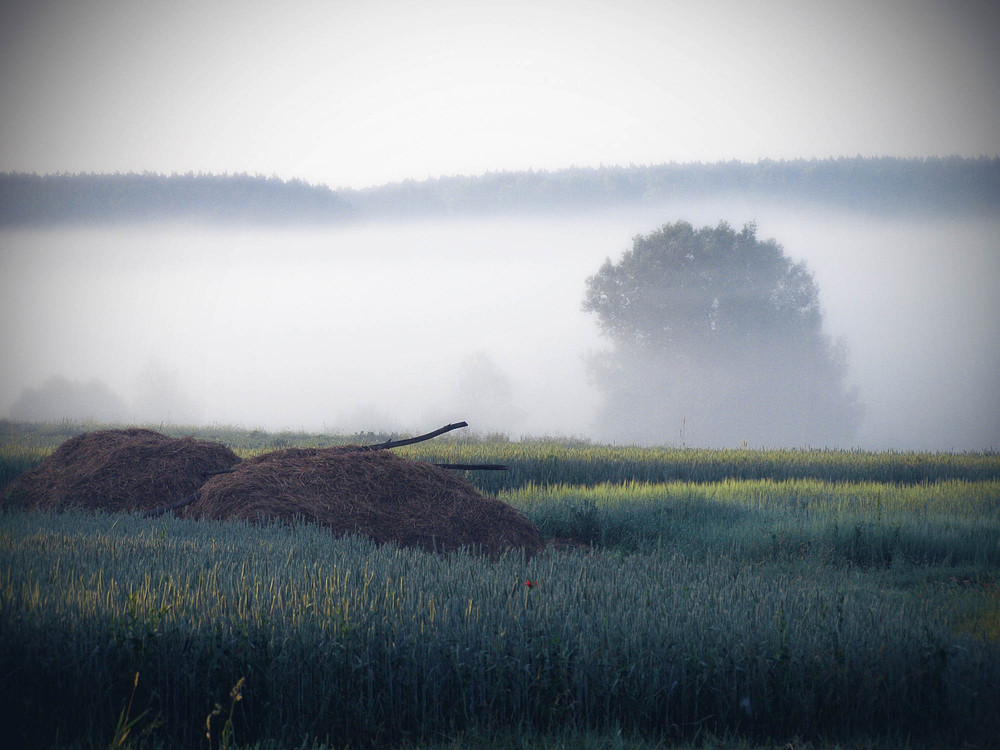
408	326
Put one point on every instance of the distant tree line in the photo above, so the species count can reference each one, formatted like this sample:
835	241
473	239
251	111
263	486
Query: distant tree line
893	186
31	199
949	186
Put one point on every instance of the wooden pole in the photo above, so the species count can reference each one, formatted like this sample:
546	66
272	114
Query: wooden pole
411	441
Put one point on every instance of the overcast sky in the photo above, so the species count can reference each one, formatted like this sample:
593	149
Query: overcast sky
361	92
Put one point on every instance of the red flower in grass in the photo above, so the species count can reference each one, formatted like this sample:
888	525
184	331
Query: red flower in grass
530	584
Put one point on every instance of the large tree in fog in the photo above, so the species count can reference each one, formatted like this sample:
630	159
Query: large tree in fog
718	341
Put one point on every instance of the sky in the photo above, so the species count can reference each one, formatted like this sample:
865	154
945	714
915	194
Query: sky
351	93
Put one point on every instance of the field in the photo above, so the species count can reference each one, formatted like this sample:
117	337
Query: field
689	598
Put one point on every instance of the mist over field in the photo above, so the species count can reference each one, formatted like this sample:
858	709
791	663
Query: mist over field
372	215
410	325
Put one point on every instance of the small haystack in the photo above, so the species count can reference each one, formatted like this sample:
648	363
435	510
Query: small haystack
368	492
119	470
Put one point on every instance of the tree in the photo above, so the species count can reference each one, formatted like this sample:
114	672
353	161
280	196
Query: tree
485	393
59	398
718	340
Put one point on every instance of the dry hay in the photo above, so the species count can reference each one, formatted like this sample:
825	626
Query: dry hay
119	470
368	492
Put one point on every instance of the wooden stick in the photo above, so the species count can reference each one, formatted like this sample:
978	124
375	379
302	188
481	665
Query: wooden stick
383	446
411	441
457	467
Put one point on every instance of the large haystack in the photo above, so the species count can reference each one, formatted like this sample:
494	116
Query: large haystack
119	470
367	492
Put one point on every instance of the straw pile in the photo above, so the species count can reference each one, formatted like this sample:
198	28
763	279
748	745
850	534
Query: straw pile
368	492
119	470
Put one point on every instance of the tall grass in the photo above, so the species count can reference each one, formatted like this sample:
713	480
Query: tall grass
346	642
554	463
768	595
17	459
945	523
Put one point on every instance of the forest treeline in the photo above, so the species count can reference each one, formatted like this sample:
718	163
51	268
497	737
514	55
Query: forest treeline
888	186
31	199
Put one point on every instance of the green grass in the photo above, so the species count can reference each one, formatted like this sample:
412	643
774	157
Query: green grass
332	634
944	523
562	461
734	613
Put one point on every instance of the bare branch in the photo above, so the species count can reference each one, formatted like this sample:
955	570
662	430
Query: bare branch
411	441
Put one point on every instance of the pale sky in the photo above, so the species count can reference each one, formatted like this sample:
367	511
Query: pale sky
352	93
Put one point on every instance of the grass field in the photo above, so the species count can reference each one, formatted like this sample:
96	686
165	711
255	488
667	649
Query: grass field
693	599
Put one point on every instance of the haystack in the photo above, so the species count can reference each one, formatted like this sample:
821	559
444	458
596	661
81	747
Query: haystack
368	492
119	470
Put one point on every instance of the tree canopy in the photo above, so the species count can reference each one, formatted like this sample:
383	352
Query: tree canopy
718	339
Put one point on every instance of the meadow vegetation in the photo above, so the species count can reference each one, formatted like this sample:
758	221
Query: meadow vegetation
815	598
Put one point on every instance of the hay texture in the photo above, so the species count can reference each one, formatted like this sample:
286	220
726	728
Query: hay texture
368	492
119	470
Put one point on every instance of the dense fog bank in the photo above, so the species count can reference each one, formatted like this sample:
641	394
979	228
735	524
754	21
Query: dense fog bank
411	325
